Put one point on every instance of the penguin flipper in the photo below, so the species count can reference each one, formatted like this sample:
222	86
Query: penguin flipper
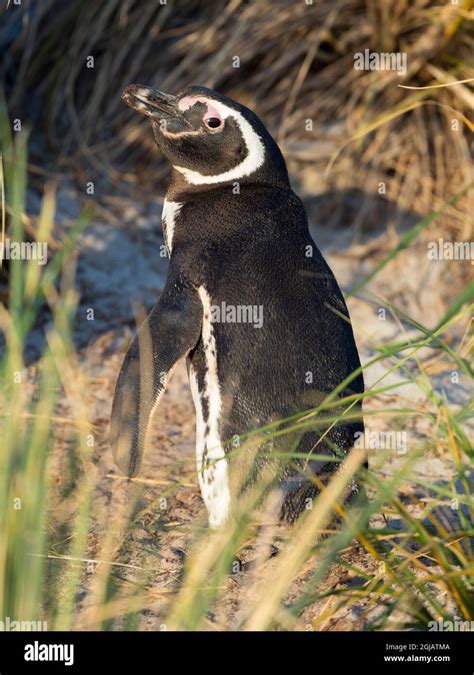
168	333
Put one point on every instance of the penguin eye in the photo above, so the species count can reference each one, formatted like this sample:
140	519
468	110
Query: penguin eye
213	122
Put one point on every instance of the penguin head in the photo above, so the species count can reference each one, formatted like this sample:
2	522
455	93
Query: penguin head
209	138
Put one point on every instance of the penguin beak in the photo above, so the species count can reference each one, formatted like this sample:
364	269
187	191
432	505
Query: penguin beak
150	102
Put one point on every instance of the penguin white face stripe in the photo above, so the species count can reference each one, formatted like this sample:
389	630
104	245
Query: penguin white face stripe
211	461
255	149
170	212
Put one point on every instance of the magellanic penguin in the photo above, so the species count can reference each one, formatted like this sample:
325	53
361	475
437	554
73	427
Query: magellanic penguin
249	301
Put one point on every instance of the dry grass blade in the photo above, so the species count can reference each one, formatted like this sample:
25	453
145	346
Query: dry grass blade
301	543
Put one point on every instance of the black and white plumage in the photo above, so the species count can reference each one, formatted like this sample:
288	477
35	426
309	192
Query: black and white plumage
237	236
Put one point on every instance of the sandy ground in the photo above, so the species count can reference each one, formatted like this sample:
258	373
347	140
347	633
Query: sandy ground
118	265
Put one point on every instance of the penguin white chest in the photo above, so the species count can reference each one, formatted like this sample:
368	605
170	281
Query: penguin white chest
212	465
